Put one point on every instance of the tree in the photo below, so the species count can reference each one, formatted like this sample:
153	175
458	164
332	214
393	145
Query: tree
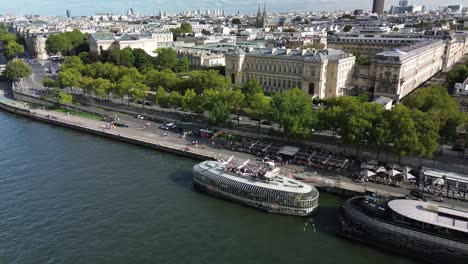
457	75
185	27
73	62
69	78
236	102
201	81
58	43
176	100
16	70
101	87
142	59
236	21
6	36
219	114
165	78
65	98
13	49
183	65
123	87
251	88
192	101
162	97
259	107
293	110
347	28
403	131
139	92
86	84
167	58
47	82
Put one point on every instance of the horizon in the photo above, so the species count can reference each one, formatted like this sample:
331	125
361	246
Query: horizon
148	7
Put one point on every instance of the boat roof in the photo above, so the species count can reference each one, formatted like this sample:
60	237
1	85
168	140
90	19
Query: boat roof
279	183
434	214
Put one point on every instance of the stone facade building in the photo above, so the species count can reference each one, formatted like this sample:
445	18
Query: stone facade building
201	58
397	73
460	93
146	41
319	73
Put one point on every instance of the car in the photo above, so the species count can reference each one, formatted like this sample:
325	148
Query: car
119	124
266	122
171	126
458	148
254	119
149	103
164	127
141	117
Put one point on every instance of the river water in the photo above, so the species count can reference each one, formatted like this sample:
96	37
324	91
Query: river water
69	197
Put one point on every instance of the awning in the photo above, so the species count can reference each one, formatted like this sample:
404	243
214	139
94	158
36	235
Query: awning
288	151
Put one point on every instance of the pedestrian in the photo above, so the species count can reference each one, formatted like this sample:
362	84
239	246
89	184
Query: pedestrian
315	172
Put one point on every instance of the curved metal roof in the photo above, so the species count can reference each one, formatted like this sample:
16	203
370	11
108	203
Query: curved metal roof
431	214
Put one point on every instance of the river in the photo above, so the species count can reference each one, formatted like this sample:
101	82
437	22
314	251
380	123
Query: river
69	197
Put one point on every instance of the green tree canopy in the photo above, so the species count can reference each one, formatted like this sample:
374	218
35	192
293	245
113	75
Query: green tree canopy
17	69
58	43
236	21
162	97
167	58
13	49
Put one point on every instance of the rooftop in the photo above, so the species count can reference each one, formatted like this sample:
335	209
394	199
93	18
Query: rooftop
279	183
432	214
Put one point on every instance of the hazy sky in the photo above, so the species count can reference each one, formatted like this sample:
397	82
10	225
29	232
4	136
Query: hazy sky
89	7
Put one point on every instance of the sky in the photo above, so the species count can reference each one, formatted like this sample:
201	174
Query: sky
89	7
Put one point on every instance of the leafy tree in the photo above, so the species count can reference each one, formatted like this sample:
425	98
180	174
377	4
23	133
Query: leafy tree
176	100
167	58
86	84
58	44
6	36
73	62
457	75
162	97
123	87
293	110
47	82
69	78
165	78
186	27
347	28
65	98
236	101
236	21
101	87
139	92
183	65
251	88
219	114
403	131
17	69
201	81
13	49
142	59
89	57
259	107
192	101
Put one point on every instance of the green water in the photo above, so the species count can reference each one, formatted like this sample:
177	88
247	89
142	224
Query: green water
68	197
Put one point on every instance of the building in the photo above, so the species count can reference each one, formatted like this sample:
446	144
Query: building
68	13
202	58
399	72
378	6
396	10
148	41
319	73
262	18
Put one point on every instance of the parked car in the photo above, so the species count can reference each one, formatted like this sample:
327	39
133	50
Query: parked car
458	148
266	123
171	126
119	124
149	103
141	117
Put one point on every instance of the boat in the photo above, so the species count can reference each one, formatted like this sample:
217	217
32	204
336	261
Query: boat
261	187
424	231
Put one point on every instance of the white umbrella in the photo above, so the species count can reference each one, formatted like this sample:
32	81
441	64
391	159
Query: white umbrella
407	175
439	181
392	172
380	169
367	173
406	169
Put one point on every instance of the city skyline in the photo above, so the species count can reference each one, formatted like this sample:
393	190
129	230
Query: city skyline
58	7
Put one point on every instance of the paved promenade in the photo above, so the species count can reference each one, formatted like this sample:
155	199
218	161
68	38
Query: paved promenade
139	133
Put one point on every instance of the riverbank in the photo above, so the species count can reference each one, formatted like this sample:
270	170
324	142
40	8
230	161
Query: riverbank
138	136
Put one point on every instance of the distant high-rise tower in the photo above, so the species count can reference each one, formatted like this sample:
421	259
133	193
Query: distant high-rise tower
68	13
404	2
130	12
378	6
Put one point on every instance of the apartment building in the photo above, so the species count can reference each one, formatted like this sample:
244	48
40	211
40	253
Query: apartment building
319	73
